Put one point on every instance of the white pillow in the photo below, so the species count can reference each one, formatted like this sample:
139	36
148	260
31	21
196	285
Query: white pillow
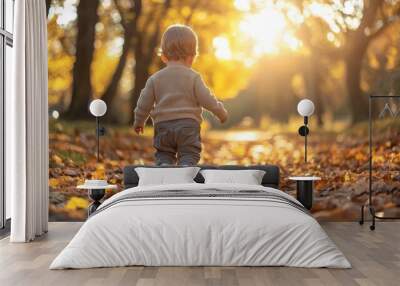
248	177
166	176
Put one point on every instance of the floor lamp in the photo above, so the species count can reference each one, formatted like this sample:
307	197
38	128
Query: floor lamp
98	108
305	108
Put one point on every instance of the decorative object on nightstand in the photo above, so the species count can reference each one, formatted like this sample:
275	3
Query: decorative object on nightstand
305	192
96	191
305	108
98	108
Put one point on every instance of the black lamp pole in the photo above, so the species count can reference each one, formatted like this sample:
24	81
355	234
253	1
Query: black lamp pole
304	131
98	108
305	138
100	131
97	136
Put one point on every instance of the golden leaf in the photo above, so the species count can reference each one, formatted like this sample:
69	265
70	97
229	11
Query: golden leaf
76	203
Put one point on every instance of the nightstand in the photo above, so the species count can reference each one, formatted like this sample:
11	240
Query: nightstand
96	190
305	186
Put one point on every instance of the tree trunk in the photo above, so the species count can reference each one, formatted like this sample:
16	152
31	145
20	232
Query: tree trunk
355	48
317	98
314	79
357	100
48	4
141	70
81	86
111	91
320	109
143	60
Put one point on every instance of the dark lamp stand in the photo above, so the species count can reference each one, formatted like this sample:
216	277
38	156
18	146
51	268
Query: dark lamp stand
304	131
95	195
100	131
304	193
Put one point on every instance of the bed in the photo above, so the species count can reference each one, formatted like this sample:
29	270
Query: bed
198	224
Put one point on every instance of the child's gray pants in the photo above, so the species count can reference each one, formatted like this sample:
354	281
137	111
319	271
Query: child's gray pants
177	141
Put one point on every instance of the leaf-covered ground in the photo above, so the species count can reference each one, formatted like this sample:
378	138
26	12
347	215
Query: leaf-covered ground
340	159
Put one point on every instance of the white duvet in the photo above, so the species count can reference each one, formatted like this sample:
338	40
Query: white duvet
200	231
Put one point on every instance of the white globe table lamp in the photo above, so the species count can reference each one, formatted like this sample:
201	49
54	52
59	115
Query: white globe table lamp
98	108
305	108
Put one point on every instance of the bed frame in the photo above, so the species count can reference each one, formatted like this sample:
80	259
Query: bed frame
270	179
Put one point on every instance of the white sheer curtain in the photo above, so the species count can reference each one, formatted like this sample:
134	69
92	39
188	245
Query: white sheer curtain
27	124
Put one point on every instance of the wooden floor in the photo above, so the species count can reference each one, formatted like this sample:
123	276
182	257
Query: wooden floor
375	257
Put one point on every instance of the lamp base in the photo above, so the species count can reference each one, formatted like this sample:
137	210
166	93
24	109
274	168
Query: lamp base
95	195
304	193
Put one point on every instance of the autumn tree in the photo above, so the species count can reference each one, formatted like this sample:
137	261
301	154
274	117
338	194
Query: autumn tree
129	13
378	15
383	71
352	32
315	61
145	44
61	55
87	18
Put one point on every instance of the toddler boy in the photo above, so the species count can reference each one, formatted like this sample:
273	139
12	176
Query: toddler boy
174	98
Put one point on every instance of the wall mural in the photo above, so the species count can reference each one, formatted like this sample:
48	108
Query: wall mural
260	58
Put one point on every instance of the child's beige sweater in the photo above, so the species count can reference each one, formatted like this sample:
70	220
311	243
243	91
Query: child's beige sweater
176	92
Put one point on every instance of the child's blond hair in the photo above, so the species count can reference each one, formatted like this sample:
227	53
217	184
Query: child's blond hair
178	43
